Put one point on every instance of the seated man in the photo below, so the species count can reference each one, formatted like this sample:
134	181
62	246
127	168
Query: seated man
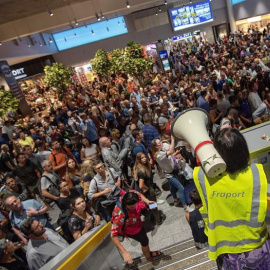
44	244
20	211
49	183
101	186
17	189
7	258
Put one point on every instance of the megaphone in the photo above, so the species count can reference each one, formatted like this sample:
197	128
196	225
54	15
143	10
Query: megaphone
190	125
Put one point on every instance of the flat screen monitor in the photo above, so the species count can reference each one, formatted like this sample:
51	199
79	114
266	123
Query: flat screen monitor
191	15
163	54
166	65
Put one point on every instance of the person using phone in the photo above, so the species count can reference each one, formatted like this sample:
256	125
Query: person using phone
126	221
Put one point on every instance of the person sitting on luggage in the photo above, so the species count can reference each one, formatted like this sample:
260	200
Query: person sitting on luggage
126	221
81	220
101	186
196	222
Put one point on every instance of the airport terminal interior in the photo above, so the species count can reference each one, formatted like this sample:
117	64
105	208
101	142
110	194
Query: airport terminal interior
134	134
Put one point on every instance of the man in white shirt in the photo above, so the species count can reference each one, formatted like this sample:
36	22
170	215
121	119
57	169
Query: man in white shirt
263	109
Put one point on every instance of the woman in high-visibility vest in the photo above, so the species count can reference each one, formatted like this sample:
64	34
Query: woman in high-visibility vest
234	207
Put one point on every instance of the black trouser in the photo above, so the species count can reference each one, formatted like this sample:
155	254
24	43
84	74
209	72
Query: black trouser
151	196
141	237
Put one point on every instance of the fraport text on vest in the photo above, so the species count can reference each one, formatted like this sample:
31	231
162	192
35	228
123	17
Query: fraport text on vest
227	195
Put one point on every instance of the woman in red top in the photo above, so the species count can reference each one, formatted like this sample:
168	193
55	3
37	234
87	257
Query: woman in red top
127	221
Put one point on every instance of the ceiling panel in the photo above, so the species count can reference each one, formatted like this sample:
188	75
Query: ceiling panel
11	10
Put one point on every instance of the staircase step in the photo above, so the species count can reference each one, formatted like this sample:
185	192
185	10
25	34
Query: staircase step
168	250
177	255
201	265
183	262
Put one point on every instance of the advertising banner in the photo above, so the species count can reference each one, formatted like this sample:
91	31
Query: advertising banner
191	15
6	72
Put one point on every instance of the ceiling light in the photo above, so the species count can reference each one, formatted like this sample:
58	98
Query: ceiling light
28	44
50	12
76	22
97	17
128	5
40	44
102	16
65	39
93	33
118	22
159	9
0	43
50	40
156	13
108	29
190	1
166	2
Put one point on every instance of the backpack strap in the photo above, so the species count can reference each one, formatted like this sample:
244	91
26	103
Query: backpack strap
48	178
118	203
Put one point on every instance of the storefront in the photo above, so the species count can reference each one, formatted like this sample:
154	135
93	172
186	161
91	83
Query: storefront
258	23
83	73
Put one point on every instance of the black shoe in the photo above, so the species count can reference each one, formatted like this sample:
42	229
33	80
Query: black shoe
162	218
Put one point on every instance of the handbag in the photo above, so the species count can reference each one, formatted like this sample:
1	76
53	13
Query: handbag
53	189
112	198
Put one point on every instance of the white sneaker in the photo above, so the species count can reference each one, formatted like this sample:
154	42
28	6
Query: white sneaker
160	201
188	209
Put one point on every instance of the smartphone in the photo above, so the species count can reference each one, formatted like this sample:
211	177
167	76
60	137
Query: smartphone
152	206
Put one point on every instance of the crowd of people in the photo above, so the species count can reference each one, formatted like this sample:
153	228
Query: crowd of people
109	135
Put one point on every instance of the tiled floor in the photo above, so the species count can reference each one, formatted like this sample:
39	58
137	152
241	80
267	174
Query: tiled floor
173	230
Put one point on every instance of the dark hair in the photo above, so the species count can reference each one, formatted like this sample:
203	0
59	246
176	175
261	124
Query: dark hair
227	141
130	198
135	133
7	176
96	162
212	102
232	98
18	155
195	196
26	226
73	201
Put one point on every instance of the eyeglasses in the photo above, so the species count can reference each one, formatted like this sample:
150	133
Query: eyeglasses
99	168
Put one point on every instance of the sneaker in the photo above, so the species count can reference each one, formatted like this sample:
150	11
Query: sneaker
176	202
188	209
160	201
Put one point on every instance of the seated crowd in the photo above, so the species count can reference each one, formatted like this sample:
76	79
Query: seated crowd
113	136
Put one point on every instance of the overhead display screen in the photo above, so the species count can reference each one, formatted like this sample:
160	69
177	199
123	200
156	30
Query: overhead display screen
191	15
90	33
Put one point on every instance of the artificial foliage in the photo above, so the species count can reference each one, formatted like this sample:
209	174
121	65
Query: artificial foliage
135	62
58	76
116	60
101	64
7	102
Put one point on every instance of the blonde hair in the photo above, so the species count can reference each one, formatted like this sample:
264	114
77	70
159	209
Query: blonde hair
87	168
113	132
139	166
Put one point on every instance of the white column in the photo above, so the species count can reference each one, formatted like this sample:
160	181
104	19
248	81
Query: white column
231	16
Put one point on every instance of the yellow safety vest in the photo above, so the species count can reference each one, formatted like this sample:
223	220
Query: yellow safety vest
234	209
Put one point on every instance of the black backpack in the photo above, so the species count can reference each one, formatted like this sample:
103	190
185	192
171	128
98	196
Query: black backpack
63	222
131	157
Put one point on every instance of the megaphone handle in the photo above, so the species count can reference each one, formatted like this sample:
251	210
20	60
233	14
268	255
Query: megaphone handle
200	145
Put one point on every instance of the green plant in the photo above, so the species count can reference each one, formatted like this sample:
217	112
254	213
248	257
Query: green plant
7	101
101	64
135	62
116	60
58	76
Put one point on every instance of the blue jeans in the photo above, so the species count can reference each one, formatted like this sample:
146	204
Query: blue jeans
175	186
